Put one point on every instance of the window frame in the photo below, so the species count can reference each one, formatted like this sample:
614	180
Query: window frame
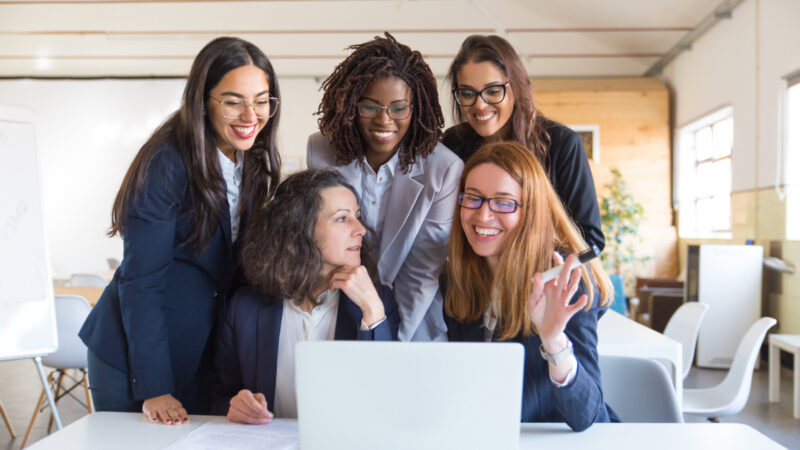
791	168
687	164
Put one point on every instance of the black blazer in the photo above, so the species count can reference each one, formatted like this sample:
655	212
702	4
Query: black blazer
565	163
153	320
249	332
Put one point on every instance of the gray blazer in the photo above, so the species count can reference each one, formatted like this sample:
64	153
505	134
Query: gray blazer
413	241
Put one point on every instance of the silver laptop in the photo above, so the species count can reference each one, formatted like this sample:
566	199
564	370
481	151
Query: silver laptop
402	395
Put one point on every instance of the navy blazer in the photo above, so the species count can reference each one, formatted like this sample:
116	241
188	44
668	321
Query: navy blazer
154	318
579	404
248	334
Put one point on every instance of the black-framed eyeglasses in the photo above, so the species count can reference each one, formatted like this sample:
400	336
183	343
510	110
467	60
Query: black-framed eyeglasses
234	107
492	95
371	110
498	204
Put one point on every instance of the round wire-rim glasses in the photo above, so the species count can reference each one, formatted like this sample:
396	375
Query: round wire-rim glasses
496	204
371	110
492	95
233	108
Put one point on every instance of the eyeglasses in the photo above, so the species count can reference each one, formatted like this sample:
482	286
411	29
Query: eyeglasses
500	205
492	95
371	110
233	107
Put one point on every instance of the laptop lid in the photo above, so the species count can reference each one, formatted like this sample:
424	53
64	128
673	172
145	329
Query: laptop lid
403	395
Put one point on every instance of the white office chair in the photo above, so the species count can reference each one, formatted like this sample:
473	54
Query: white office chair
87	279
730	396
639	390
683	326
71	312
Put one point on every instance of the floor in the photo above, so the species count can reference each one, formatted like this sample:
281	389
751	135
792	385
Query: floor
772	419
20	388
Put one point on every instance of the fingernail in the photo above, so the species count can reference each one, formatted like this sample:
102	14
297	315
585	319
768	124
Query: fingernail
185	419
167	421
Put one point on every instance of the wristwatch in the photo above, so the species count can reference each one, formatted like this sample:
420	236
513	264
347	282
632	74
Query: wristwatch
557	357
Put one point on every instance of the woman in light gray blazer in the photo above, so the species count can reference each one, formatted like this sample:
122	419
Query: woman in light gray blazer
380	125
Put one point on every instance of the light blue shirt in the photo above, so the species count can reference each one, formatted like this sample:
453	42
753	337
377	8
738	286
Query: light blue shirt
232	173
375	189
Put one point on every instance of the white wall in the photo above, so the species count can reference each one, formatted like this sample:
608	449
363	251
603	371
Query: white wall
742	62
88	132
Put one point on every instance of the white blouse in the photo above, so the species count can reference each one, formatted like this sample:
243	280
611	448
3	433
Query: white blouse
232	173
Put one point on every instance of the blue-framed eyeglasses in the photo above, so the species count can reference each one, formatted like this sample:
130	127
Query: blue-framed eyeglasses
498	204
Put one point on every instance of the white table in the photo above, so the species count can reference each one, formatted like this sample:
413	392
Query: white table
618	335
789	343
123	431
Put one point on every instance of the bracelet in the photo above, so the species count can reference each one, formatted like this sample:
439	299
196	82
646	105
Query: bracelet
555	358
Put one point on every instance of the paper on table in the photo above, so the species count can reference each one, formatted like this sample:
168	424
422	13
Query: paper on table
219	434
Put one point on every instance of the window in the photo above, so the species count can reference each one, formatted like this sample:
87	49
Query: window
793	158
704	176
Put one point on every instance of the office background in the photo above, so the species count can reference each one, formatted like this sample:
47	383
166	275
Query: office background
101	75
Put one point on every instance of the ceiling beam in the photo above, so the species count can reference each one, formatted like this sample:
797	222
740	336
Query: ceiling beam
343	31
722	11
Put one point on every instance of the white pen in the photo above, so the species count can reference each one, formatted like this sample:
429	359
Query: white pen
583	258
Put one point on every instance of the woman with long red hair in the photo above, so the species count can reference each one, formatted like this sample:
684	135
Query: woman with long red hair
509	227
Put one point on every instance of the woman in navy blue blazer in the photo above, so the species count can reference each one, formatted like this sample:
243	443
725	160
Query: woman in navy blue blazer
179	211
508	225
310	263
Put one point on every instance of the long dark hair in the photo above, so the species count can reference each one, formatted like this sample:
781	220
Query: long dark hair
527	125
280	256
371	61
190	131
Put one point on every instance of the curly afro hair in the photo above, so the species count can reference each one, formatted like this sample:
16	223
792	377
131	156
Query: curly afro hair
380	58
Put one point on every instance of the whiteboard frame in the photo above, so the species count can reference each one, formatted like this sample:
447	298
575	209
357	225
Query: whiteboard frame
23	115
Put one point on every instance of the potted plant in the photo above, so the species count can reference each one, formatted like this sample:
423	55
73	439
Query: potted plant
620	216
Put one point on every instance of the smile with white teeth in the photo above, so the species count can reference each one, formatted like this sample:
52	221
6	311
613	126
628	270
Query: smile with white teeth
380	134
486	232
485	116
244	131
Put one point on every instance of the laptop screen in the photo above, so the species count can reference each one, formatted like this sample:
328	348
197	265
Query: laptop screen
384	395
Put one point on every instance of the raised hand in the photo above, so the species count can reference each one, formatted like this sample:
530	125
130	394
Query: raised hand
249	407
165	409
548	305
355	282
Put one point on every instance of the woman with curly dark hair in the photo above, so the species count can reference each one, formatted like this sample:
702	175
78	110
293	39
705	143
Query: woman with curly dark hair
494	102
309	262
380	124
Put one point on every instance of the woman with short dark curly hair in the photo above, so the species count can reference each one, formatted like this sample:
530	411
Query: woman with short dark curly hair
380	124
309	262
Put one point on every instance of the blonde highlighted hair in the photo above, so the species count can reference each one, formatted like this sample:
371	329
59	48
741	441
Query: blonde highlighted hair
544	227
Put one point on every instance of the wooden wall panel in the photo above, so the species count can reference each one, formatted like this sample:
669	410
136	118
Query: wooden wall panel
633	117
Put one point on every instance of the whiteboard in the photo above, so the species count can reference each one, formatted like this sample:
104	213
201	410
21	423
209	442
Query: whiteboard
27	315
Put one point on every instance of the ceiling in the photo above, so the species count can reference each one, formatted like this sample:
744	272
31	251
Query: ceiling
154	38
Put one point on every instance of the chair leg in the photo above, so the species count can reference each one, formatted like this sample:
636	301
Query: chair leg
35	414
8	423
89	404
61	375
